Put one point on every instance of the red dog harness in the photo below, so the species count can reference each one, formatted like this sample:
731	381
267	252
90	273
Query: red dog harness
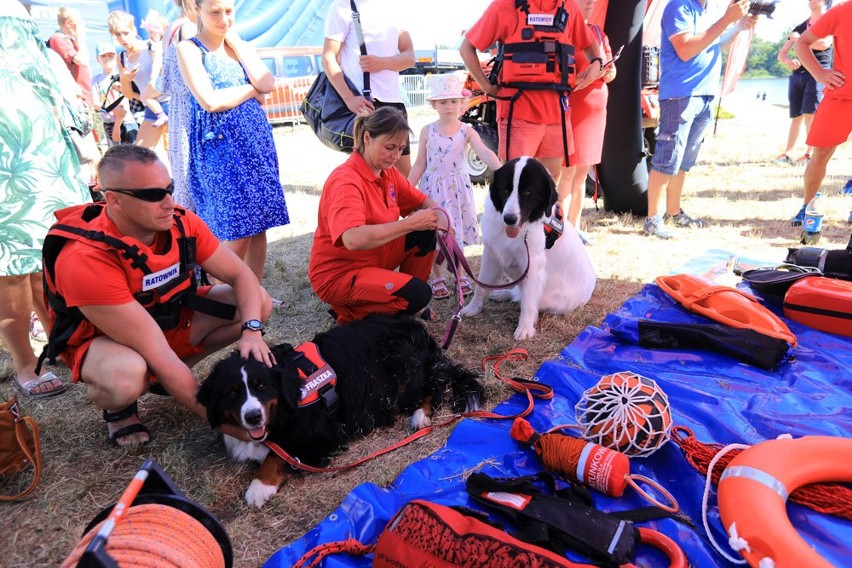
318	377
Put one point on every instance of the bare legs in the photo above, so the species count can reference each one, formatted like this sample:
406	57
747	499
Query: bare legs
149	135
19	295
571	189
815	171
252	250
403	164
795	130
672	186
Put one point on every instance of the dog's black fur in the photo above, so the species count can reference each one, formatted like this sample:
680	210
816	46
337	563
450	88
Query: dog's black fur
385	365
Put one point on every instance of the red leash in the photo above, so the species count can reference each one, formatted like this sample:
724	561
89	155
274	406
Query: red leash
526	386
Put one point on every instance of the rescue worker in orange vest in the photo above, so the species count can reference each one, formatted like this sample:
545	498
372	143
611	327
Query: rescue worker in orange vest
126	313
537	40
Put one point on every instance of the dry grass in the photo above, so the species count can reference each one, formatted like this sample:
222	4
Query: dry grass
747	197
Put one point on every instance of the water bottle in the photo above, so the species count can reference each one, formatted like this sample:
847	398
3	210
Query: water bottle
812	226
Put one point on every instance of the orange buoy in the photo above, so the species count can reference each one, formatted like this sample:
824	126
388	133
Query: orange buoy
753	494
724	304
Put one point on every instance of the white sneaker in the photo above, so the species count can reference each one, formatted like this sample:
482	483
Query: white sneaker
654	226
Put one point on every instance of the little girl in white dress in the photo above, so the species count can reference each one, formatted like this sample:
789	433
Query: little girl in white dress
440	167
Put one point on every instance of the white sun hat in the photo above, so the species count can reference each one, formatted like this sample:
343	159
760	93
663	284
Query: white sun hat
446	86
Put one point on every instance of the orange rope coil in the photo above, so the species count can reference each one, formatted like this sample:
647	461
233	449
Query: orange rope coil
156	536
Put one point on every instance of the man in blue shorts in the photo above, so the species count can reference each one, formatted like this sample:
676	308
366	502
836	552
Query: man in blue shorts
690	61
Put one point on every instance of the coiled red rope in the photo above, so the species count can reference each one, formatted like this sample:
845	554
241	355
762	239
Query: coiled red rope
156	536
830	498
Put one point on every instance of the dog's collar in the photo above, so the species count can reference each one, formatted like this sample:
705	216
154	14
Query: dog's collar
553	227
318	378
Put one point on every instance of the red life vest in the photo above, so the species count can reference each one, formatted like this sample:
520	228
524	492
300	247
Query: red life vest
161	283
533	57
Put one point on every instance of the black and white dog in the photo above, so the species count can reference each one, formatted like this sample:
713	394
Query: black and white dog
561	278
384	365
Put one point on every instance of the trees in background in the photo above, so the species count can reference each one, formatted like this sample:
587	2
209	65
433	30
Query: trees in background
763	59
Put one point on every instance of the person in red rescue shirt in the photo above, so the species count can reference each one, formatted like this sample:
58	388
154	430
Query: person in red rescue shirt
127	267
538	114
372	222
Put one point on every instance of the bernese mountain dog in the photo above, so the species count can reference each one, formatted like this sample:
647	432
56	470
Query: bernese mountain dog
368	373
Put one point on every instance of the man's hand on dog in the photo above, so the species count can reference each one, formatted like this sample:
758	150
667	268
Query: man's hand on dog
251	344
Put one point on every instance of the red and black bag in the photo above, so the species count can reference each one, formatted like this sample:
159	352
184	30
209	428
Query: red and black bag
427	534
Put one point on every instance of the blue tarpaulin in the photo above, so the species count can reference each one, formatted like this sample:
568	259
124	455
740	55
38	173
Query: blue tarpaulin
720	398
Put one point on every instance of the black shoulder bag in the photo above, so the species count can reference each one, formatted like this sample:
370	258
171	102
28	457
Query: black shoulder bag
324	110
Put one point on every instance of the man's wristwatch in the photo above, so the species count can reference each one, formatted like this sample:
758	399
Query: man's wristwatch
252	325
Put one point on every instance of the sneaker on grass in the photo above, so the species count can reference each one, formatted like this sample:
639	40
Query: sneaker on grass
654	226
684	220
799	218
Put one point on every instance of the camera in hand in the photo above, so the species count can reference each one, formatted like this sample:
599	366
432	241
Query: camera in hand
115	78
762	7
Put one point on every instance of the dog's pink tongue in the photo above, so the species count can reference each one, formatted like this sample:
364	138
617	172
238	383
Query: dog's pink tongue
512	232
257	433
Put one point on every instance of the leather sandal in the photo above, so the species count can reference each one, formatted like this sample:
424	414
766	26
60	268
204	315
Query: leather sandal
136	428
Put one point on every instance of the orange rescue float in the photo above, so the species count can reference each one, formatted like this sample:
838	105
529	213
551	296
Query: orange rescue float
753	495
724	304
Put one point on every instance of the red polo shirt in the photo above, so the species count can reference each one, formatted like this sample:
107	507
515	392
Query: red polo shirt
354	196
67	49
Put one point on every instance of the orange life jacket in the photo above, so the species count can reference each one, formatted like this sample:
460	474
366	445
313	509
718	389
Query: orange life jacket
533	57
162	283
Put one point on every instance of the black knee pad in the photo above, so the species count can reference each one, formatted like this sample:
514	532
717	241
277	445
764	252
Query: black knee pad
424	241
417	293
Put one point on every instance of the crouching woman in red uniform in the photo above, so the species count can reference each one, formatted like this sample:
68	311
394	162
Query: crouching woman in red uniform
375	239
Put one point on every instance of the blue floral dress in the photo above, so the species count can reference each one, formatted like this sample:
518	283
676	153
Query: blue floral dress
446	181
233	167
180	110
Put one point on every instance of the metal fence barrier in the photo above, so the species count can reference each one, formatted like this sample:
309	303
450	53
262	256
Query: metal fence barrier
282	104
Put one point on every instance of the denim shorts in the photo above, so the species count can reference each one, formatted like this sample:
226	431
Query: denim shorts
151	117
683	122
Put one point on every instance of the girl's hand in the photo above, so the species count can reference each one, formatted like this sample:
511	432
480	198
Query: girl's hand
129	72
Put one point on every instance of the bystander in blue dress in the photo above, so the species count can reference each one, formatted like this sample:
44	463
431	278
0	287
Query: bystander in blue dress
180	110
233	167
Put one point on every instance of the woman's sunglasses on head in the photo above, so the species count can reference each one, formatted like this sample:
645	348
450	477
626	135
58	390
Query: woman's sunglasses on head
152	194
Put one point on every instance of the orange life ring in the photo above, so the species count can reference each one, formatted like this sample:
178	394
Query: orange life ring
753	494
724	304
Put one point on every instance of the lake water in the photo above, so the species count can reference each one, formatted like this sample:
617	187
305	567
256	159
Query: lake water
775	89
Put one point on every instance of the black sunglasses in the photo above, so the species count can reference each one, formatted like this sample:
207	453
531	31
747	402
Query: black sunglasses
152	194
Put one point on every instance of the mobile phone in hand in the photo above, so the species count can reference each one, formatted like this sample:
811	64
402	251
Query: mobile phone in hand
614	57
